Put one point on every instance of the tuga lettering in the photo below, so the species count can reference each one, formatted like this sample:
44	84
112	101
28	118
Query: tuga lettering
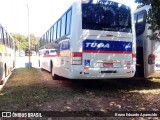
99	45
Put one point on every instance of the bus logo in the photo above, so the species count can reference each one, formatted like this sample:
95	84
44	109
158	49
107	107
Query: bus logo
107	46
98	45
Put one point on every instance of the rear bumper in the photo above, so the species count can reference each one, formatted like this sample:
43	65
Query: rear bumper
152	72
101	73
155	74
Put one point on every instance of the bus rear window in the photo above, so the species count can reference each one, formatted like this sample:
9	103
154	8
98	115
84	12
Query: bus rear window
106	17
140	22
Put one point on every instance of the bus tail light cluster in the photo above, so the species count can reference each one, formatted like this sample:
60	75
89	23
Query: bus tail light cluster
127	64
134	59
151	59
77	58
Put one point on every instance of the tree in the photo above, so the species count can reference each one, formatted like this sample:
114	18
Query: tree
154	13
33	41
22	41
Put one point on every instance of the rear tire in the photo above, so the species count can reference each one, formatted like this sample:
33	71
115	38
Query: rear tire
54	76
1	82
39	63
51	66
5	69
14	65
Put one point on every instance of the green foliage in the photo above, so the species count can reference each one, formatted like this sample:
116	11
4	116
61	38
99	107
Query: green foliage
22	41
34	41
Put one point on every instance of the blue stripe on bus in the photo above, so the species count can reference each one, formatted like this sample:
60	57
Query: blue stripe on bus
107	46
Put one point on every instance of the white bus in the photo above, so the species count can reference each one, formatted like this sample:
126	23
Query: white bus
7	54
94	40
148	51
46	56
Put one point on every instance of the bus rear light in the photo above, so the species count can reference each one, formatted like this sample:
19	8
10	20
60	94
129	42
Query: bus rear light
77	54
76	58
86	68
134	59
127	64
134	56
151	59
76	62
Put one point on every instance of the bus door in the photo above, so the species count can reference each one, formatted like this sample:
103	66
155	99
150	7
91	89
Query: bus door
65	53
140	25
42	57
47	59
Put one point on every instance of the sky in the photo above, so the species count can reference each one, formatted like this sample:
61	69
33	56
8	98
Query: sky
42	14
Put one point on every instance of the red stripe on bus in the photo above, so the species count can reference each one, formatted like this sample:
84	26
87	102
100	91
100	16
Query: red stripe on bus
101	51
50	55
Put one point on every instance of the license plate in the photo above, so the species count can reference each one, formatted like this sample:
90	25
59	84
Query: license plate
108	65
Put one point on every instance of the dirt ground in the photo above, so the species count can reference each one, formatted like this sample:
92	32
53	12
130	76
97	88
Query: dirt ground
87	99
107	95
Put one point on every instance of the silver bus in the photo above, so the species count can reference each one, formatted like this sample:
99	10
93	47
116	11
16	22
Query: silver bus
148	51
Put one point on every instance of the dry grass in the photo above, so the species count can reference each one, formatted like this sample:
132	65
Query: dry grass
26	90
33	89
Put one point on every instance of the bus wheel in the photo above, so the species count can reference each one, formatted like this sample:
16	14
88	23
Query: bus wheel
1	82
39	63
5	71
54	76
51	66
14	65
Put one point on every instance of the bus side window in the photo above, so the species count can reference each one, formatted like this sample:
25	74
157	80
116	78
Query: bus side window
47	52
1	37
140	22
65	45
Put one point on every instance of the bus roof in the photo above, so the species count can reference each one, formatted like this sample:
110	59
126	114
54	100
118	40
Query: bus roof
146	7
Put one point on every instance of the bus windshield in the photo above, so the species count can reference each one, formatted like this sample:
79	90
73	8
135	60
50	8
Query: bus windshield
106	17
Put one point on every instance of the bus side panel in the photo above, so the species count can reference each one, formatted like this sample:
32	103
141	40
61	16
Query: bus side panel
148	48
64	64
152	70
148	57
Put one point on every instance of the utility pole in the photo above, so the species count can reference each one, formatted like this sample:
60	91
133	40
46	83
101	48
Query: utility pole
29	49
